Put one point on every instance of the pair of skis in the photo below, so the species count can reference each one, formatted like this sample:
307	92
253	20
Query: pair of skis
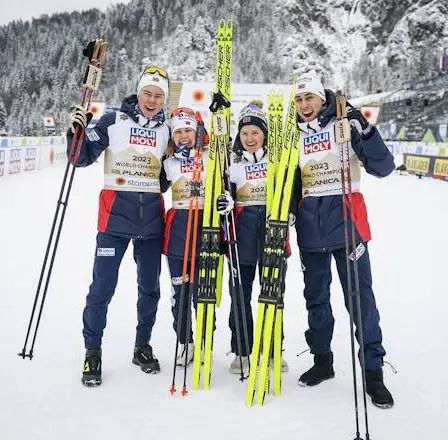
210	260
269	321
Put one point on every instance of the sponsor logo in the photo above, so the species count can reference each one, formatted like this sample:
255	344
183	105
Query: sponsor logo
317	142
188	165
105	252
146	184
142	136
256	171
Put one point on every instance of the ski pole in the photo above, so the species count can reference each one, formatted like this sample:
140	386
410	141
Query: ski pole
343	138
191	236
95	51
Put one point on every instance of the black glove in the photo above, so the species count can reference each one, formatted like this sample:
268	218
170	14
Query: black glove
79	118
360	123
224	203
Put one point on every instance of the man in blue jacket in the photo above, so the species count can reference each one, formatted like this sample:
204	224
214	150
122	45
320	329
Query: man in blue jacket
134	140
320	228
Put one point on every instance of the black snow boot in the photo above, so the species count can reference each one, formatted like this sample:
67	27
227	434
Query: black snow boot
375	388
320	371
91	375
144	358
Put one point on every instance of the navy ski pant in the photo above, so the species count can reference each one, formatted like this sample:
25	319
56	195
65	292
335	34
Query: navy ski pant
317	278
177	290
247	280
109	253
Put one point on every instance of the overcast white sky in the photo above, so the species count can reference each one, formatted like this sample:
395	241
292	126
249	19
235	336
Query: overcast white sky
26	9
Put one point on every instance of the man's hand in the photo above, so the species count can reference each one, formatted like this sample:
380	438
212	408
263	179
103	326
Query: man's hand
358	121
79	118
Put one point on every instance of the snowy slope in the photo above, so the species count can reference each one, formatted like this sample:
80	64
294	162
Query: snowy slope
44	399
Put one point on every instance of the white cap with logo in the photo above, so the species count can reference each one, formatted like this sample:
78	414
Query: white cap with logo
183	118
310	83
153	79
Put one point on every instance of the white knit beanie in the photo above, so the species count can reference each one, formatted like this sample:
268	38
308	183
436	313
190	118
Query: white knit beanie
153	79
310	83
183	120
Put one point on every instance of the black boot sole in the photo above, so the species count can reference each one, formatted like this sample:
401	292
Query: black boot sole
149	368
305	384
383	405
91	382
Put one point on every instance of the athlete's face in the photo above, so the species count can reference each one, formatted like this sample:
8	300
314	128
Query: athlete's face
184	136
308	106
151	100
252	138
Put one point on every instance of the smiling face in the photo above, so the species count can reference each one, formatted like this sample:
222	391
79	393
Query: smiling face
151	100
308	106
184	136
252	138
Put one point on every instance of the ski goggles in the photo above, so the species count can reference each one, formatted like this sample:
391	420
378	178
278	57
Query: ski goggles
154	69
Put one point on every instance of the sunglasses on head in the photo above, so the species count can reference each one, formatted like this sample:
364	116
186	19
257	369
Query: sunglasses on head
182	110
153	69
254	108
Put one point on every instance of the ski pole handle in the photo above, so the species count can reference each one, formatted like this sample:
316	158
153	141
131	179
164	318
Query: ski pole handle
342	129
96	54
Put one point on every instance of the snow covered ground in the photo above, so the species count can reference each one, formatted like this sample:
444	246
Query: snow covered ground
44	399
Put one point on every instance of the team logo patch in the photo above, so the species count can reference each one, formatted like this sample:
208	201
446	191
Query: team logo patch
105	252
317	142
177	281
142	136
256	171
92	136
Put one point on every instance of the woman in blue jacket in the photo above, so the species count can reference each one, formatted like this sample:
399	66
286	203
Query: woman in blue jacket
248	176
133	139
320	228
179	167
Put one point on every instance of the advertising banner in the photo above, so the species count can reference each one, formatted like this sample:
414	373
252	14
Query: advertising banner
31	158
427	166
441	168
2	161
14	160
53	151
